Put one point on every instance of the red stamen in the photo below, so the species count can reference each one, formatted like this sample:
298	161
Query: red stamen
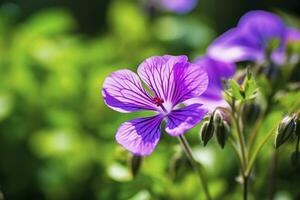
158	101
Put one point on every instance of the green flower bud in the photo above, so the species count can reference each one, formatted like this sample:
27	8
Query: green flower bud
135	163
285	129
207	131
222	131
217	118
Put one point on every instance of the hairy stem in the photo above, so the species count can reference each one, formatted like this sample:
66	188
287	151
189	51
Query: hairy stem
187	149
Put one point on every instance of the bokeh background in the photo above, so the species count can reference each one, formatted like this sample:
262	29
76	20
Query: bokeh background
56	134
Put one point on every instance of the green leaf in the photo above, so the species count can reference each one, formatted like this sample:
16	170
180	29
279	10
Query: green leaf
235	90
250	87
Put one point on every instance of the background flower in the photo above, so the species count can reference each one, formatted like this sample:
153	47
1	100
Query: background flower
177	6
252	38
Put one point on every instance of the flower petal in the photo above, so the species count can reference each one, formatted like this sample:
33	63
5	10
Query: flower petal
123	92
261	26
216	71
234	46
178	6
293	34
183	119
208	102
140	136
250	39
173	78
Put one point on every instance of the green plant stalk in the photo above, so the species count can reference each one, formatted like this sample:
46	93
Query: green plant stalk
187	149
254	133
236	117
241	141
245	188
232	143
257	150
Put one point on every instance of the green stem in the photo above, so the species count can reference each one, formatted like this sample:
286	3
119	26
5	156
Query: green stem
254	133
245	188
257	150
187	149
241	141
236	118
232	143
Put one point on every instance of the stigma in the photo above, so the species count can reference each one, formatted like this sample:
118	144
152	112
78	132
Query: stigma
158	101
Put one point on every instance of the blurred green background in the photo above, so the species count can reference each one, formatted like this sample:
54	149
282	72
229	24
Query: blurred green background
56	134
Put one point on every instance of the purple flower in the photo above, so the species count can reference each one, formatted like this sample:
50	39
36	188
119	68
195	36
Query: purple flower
250	40
177	6
293	34
216	71
171	80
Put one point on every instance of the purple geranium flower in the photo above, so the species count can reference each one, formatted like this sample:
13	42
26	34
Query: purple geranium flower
216	71
250	39
293	34
177	6
171	81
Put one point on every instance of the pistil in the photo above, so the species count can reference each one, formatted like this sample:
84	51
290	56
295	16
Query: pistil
159	102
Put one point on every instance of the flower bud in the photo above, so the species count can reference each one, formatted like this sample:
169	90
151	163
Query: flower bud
285	129
250	112
222	131
217	118
135	163
207	131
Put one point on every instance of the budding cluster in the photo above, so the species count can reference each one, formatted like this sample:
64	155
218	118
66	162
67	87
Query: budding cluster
215	126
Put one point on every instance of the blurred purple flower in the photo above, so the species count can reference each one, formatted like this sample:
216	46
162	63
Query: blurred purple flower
177	6
250	40
171	81
293	34
216	71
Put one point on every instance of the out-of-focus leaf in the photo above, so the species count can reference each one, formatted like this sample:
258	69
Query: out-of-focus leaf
6	105
142	195
119	172
127	21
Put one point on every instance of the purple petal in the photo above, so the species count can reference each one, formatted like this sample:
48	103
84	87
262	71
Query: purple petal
210	103
234	46
250	39
140	136
173	78
123	92
261	26
178	6
293	34
183	119
216	71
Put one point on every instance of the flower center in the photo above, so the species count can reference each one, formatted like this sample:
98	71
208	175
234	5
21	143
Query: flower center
158	101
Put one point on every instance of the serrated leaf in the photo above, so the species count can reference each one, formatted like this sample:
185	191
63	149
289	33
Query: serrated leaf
250	87
235	90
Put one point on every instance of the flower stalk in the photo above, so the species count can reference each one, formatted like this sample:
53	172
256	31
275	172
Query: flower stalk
187	149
